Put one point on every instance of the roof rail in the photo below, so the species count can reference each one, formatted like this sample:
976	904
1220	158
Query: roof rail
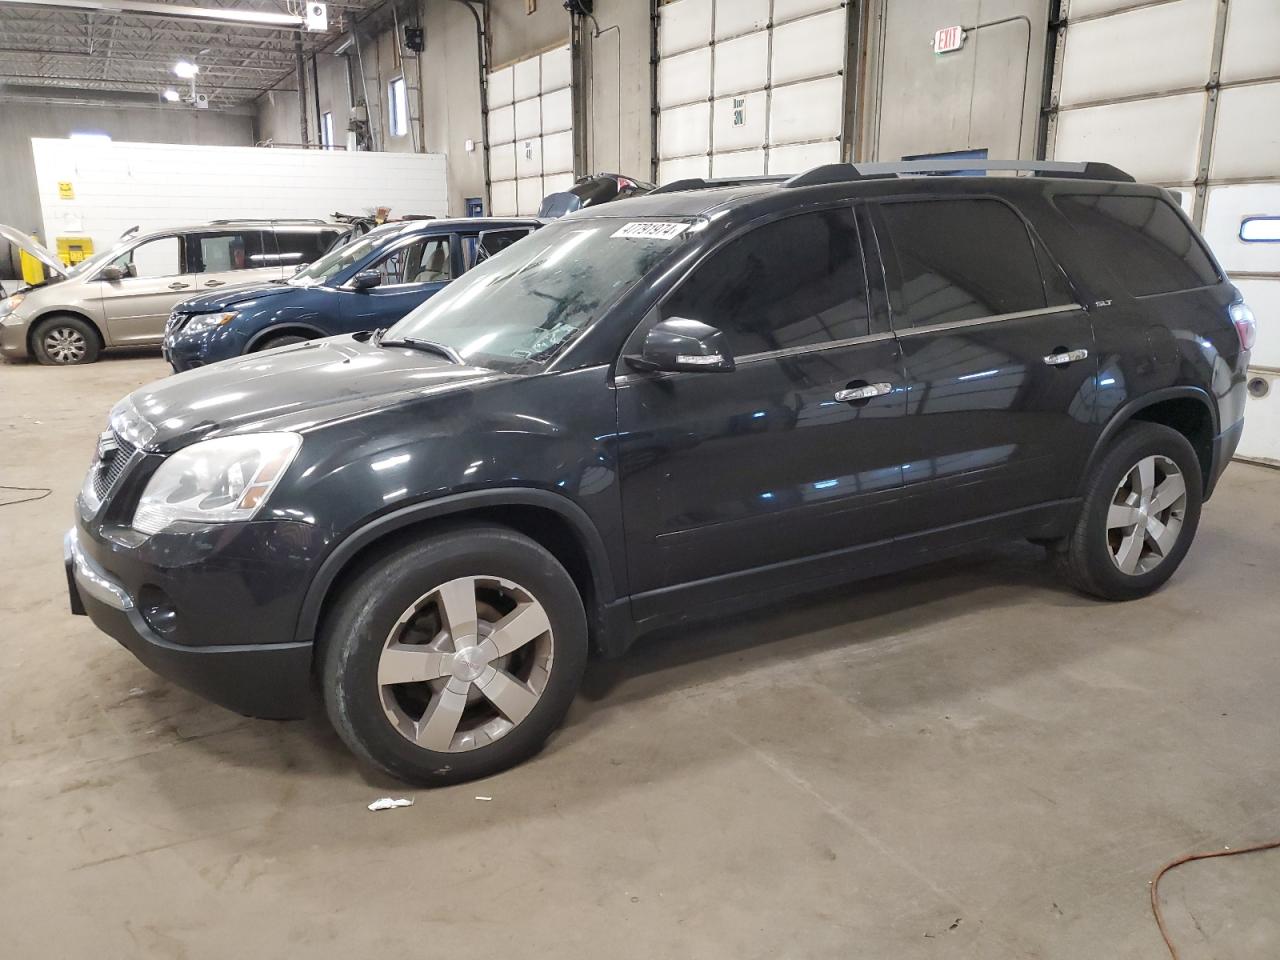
839	172
703	183
269	220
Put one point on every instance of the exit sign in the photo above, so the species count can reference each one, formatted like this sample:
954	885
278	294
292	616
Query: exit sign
948	39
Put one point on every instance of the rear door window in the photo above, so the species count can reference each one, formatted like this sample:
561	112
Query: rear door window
796	282
1144	241
226	251
302	246
965	260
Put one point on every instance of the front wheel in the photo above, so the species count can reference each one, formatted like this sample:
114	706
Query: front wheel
65	341
1139	515
455	657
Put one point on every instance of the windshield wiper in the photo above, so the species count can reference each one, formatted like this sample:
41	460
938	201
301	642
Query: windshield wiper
427	346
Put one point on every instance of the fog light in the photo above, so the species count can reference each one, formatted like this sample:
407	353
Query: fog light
158	610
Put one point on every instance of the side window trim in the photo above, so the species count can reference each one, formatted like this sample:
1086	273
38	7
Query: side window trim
893	274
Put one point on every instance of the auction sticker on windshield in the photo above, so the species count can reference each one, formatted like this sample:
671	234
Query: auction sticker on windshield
651	229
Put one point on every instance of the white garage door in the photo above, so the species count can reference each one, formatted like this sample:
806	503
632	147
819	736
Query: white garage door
530	132
1136	87
748	87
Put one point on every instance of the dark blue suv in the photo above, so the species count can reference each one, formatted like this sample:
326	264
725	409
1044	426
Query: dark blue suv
359	286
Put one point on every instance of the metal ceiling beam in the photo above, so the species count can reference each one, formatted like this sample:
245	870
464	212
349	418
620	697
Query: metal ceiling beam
240	17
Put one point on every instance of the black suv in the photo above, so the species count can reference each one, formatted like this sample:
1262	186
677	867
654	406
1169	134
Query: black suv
658	409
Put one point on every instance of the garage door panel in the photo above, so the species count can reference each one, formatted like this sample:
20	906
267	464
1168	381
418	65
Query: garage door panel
528	78
1263	297
684	131
1156	140
685	78
734	17
681	167
684	25
557	153
502	125
738	163
556	183
1262	423
529	157
501	89
1150	50
799	157
503	196
806	111
556	69
784	10
1251	50
741	64
529	196
1225	208
502	161
557	111
1244	143
812	47
740	121
528	118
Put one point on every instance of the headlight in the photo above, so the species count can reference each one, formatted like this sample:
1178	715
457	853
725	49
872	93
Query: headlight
216	481
10	304
209	321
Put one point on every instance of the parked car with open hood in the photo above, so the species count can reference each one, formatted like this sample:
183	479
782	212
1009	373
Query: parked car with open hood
592	191
368	283
122	296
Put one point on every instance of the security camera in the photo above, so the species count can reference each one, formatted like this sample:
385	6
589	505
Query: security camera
201	101
317	17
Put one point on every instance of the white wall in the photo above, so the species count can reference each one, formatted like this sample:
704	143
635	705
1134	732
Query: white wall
119	185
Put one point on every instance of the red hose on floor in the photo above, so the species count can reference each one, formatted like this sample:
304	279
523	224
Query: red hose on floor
1155	882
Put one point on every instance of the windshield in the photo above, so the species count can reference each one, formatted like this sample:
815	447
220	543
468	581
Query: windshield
346	256
517	310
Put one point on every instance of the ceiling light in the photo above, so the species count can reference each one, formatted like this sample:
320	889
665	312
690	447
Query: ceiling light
185	69
173	96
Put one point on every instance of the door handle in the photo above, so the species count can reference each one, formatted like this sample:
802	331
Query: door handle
215	283
854	394
179	286
1062	359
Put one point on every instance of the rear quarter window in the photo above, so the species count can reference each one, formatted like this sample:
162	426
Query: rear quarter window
1148	246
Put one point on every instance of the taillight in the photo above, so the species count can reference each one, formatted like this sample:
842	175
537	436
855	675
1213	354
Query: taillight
1246	326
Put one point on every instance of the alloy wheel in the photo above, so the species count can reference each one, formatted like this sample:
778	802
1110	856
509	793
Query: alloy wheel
1145	518
465	663
65	345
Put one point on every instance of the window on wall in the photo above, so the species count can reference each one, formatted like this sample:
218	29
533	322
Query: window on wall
326	130
398	107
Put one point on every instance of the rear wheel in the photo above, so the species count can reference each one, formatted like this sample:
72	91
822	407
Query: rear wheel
1139	515
65	341
455	657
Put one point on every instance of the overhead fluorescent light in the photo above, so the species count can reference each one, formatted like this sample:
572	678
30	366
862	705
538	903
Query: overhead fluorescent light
91	137
173	96
185	69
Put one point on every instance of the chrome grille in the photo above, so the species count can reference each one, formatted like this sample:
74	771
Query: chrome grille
114	454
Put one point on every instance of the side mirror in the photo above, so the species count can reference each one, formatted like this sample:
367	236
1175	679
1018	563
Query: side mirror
111	273
683	345
366	280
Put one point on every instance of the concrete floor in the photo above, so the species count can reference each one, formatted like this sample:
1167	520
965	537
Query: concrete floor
967	761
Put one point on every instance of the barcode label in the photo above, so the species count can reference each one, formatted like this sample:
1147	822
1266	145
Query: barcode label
651	229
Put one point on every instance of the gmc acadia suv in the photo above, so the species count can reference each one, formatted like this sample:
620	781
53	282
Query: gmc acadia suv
655	410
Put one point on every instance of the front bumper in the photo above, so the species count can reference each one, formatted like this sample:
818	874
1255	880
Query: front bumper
13	339
271	680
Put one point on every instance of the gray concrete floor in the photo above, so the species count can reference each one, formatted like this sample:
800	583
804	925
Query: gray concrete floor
967	761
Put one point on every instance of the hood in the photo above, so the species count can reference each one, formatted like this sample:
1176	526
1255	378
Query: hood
24	242
295	388
223	299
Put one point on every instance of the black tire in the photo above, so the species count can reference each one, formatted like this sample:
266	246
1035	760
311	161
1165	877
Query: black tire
1087	558
284	340
370	607
64	340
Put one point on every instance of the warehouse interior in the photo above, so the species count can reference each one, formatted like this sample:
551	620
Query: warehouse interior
964	759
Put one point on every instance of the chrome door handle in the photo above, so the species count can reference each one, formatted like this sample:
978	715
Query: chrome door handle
863	393
1061	359
215	283
179	286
